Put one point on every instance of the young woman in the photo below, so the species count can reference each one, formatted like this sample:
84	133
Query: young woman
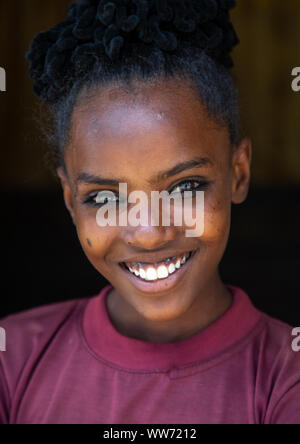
141	94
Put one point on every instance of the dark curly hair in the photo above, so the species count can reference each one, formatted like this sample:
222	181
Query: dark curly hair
126	41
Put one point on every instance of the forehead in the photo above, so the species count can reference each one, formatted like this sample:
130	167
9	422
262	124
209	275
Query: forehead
150	122
161	100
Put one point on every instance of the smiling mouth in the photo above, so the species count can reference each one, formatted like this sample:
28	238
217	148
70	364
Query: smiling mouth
159	271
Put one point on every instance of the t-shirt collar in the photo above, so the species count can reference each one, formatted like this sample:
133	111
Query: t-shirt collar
129	353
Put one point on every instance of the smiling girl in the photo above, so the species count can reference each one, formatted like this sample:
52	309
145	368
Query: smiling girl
140	93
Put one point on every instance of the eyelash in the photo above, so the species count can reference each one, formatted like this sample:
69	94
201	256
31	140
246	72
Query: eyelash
202	185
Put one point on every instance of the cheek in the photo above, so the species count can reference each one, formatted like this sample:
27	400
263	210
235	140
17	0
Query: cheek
94	240
217	215
217	223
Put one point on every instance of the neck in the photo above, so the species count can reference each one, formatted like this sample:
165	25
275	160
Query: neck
210	304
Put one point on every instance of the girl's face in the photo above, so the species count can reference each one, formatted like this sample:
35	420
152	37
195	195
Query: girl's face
148	139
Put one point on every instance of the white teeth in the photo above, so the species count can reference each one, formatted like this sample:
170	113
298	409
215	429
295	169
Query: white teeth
151	274
142	273
171	268
162	272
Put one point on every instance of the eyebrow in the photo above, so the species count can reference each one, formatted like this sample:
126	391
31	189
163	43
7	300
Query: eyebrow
198	162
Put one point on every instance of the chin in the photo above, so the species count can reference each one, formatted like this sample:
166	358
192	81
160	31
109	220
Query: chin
161	311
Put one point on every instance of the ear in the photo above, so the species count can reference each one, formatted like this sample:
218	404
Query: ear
241	164
67	191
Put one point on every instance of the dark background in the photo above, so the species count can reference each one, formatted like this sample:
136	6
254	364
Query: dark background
42	261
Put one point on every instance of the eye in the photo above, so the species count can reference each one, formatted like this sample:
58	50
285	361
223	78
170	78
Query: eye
106	197
190	185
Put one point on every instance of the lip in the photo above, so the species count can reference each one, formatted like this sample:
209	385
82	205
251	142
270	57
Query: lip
161	285
153	259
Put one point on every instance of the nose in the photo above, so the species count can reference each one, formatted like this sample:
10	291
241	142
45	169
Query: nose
148	236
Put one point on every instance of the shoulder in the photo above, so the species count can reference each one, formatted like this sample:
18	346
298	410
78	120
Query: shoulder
265	332
278	371
276	335
28	334
37	321
273	340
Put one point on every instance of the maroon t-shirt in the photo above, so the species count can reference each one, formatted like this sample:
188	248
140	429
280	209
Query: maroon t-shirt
66	363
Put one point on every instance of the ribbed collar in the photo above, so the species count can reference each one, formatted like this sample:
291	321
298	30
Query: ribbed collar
137	355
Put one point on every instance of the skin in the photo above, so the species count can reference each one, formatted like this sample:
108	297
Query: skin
117	133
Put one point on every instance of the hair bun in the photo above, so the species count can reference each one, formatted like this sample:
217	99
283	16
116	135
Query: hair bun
101	29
